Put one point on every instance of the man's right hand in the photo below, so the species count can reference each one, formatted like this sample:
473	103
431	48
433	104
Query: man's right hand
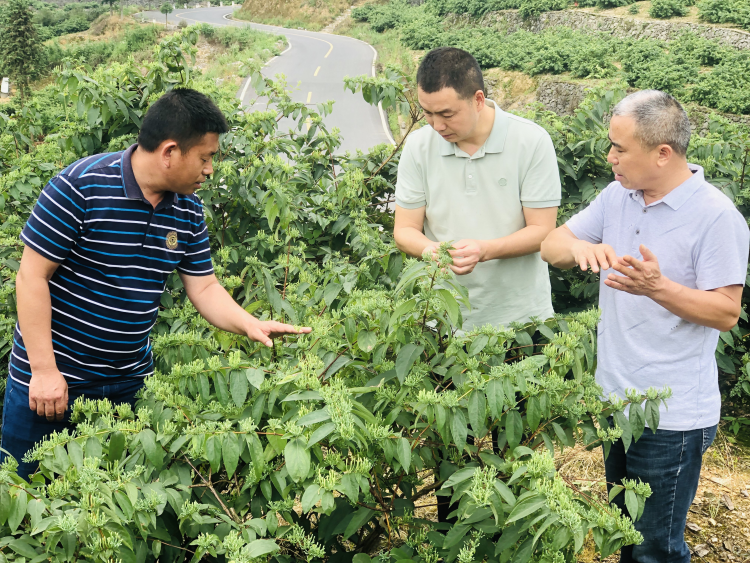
598	256
48	394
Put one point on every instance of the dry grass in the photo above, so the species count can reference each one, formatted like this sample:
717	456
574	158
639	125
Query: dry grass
308	14
512	90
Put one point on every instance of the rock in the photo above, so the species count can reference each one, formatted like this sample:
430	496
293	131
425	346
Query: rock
727	501
508	21
693	527
701	550
745	493
728	546
712	522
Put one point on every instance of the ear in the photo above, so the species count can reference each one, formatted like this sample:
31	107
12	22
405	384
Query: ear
479	100
167	152
665	154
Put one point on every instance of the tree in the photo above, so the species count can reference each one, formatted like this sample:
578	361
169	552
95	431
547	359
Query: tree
166	9
111	4
21	52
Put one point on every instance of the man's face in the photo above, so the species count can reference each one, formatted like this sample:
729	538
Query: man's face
454	118
634	166
190	169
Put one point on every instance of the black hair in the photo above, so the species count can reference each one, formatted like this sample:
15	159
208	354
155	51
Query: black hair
449	67
181	115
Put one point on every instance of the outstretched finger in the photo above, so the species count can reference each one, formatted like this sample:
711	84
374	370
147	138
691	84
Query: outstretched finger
634	262
616	285
601	258
622	280
583	262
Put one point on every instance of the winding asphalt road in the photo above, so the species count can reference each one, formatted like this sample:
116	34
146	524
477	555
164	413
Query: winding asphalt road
314	65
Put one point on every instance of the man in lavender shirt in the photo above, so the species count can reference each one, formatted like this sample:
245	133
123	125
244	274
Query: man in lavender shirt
677	251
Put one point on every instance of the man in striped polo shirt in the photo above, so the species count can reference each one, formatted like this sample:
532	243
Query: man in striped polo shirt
100	243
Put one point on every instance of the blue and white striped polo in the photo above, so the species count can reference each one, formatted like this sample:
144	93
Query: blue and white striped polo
115	253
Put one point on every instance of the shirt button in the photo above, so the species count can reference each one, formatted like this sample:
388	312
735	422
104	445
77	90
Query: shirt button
470	176
638	231
645	210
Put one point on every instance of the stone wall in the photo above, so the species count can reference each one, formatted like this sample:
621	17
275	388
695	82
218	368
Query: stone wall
509	21
563	98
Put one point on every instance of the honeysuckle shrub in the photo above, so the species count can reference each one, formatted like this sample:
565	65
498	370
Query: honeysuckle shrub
323	446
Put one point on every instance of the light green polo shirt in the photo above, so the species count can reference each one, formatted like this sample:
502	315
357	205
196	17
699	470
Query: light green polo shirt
481	197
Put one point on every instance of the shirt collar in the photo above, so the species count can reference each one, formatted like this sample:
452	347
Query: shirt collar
495	143
682	193
132	189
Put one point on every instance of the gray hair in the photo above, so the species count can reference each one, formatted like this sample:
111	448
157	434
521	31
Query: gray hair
659	119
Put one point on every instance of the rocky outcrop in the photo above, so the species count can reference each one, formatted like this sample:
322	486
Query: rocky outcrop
564	97
508	21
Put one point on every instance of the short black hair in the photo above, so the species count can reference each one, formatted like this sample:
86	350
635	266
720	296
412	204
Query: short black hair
449	67
181	115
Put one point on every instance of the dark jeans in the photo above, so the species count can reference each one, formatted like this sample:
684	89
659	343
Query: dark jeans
22	427
669	461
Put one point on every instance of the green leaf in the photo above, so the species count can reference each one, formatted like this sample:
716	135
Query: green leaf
213	452
478	344
361	558
331	291
513	428
230	451
477	409
533	413
459	477
314	417
627	434
311	497
238	387
320	433
614	491
405	360
116	446
637	420
153	450
525	507
360	518
255	376
455	535
403	453
297	459
17	510
631	502
22	548
459	429
258	548
450	304
495	397
366	340
652	414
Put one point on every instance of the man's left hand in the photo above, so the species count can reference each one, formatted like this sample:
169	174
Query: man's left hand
638	277
466	255
264	331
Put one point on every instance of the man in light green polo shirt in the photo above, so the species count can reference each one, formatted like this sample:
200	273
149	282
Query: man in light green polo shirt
484	179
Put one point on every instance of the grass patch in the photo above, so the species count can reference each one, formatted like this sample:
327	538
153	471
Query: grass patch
313	15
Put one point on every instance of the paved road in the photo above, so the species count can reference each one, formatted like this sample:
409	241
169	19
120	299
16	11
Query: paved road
318	62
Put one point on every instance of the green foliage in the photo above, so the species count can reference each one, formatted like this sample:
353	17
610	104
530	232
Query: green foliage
21	54
319	446
53	20
633	9
725	11
532	8
665	9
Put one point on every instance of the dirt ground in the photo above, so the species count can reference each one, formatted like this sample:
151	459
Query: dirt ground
717	527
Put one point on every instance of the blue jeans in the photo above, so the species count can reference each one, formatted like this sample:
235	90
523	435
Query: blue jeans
22	427
669	461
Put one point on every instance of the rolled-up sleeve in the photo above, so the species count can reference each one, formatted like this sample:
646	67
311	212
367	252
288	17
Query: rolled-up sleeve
722	255
540	186
56	222
410	185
